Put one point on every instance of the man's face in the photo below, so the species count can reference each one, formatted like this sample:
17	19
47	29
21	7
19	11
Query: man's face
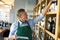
23	17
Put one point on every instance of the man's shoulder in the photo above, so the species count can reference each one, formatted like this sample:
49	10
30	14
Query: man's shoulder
30	19
15	23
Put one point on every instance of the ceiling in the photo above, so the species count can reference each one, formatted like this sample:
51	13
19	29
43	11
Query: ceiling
6	3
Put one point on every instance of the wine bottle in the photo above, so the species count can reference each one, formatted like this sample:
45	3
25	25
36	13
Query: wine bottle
42	22
54	22
53	6
41	35
49	37
49	25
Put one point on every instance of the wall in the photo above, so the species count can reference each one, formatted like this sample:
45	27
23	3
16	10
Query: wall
28	5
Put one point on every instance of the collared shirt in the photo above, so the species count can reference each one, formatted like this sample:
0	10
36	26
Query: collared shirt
31	22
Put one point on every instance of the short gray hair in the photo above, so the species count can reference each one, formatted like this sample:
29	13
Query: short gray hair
19	11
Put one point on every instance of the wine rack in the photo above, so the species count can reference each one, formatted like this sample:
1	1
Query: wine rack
49	26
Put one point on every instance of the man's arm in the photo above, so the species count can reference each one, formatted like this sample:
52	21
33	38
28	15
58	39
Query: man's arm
12	31
43	13
46	8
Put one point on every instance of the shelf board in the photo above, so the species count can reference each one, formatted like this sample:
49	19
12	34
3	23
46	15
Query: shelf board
34	15
1	30
53	12
42	28
58	38
36	6
49	33
39	3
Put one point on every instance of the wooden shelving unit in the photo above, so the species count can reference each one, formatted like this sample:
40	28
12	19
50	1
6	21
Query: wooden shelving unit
58	38
51	14
52	35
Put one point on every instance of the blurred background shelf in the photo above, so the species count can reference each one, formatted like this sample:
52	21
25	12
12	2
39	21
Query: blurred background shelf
52	13
52	35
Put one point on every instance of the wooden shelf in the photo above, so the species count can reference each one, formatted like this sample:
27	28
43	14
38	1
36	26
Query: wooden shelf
40	3
58	38
1	30
34	15
42	28
49	33
36	6
53	12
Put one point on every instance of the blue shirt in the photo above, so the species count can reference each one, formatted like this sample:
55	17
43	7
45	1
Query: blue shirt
31	22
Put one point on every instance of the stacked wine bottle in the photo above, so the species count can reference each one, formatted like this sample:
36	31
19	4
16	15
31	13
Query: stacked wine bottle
49	37
51	25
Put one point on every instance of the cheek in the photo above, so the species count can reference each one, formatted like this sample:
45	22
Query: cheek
24	17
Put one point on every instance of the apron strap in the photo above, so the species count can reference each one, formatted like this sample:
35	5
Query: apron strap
22	37
26	22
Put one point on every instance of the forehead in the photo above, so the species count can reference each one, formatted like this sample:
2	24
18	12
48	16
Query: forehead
23	13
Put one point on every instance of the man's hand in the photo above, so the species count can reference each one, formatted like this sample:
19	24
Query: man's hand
12	37
46	8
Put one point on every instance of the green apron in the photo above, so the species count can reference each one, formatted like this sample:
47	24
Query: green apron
24	31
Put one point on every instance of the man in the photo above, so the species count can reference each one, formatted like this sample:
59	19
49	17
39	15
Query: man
23	27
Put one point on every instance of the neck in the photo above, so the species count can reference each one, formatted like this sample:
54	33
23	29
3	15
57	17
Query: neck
22	21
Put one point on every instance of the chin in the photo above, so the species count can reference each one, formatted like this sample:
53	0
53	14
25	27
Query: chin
24	20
